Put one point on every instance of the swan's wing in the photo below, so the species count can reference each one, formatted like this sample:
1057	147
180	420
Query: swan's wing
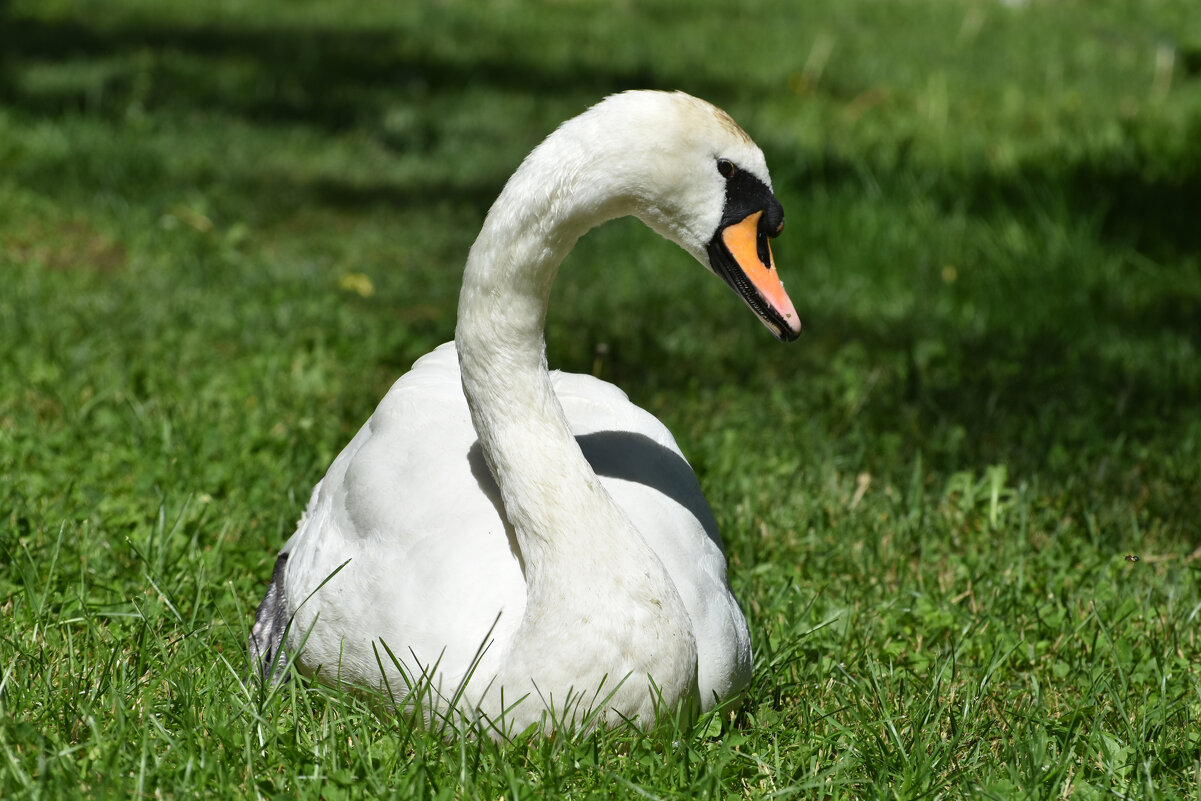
411	510
641	466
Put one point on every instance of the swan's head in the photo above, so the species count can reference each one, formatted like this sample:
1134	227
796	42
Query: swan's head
692	174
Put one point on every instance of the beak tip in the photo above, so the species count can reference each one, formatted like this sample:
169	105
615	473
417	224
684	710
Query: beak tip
790	330
789	333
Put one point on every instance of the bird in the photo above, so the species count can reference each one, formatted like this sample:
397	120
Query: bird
501	547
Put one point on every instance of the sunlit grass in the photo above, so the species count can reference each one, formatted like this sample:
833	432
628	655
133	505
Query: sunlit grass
226	228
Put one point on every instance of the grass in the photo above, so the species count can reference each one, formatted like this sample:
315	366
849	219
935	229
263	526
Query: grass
225	228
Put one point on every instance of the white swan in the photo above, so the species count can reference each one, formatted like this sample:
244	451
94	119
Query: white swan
586	584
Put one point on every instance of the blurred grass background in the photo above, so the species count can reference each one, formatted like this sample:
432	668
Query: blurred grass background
227	227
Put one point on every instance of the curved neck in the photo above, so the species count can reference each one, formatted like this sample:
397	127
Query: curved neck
589	574
550	493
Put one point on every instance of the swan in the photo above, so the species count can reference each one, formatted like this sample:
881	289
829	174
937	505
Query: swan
506	547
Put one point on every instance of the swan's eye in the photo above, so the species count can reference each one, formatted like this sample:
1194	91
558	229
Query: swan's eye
726	168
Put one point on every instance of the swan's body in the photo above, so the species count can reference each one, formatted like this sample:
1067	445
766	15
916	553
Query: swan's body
504	532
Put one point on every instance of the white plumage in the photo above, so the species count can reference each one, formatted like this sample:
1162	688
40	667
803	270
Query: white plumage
510	533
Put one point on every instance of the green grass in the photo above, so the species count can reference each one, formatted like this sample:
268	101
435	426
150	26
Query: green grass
928	501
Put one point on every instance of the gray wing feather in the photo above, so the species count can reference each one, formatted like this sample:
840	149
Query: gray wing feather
268	655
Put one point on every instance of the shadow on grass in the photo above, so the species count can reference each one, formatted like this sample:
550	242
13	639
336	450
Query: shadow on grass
340	79
322	77
1019	396
1149	201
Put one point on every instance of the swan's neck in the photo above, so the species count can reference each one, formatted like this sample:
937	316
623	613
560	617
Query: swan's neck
558	509
601	611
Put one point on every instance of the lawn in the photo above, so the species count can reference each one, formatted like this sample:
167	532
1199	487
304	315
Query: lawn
963	511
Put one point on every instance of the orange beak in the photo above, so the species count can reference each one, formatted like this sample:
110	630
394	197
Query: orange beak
753	276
